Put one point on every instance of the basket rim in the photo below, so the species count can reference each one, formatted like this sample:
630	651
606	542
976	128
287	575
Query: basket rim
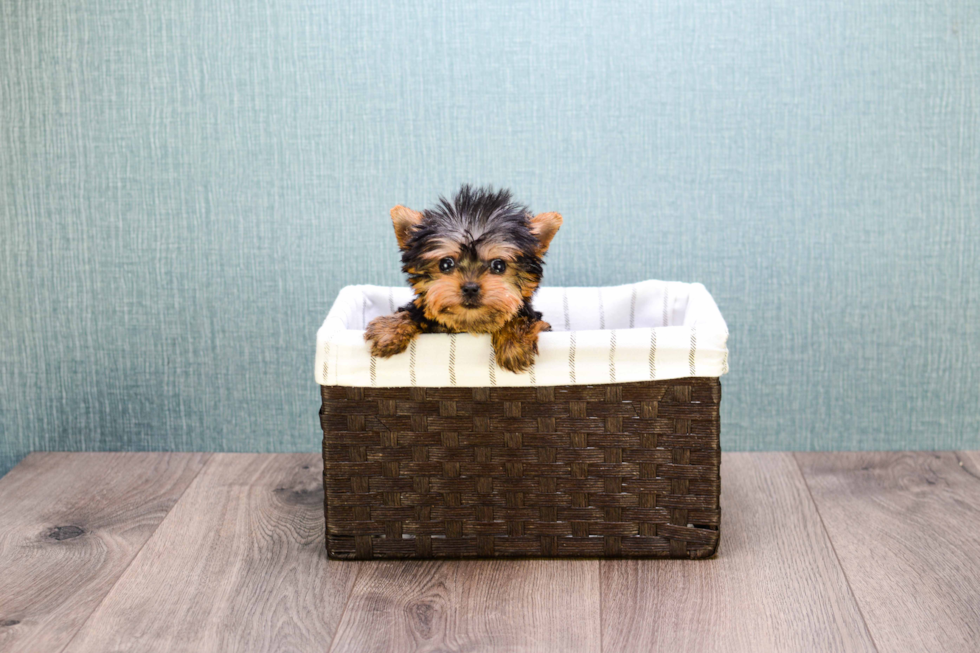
629	347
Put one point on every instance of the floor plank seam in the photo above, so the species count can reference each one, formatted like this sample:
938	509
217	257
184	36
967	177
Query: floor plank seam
833	547
207	461
343	613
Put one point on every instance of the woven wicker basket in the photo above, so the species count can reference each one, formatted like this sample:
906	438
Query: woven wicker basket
619	470
587	469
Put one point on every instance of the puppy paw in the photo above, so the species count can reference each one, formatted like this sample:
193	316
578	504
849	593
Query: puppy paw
390	334
516	357
516	344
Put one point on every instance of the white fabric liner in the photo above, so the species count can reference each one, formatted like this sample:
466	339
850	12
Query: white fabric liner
615	334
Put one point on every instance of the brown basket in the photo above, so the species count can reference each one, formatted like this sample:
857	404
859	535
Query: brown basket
619	470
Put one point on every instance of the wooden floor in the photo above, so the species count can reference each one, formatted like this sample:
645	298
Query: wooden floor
224	552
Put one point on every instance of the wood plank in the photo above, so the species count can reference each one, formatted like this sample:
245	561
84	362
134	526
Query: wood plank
70	524
238	565
906	527
775	584
485	605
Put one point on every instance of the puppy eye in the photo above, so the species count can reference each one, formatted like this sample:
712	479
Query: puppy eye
497	266
446	265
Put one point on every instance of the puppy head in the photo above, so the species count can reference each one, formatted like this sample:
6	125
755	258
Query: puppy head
476	260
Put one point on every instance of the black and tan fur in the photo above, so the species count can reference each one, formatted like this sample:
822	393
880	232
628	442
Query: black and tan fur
496	248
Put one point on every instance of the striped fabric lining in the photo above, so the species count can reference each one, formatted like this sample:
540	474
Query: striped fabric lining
374	361
611	324
452	359
612	356
411	361
571	357
493	365
653	354
694	348
633	308
564	302
602	313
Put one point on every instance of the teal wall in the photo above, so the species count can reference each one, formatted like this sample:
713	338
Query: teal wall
184	186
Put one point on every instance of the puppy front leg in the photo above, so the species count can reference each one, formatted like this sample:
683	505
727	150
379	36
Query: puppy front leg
391	334
516	343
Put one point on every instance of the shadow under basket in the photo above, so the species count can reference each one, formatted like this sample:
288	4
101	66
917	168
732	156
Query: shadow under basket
611	470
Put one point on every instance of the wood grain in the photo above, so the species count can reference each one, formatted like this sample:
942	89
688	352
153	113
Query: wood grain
70	524
100	545
774	586
485	605
906	527
238	565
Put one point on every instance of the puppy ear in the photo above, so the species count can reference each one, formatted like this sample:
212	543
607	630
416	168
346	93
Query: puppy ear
544	226
404	219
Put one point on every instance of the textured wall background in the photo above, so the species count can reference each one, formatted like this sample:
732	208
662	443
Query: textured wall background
184	186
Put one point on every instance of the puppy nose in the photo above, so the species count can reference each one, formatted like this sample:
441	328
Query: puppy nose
470	289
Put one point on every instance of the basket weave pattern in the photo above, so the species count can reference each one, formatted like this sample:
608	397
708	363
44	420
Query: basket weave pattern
619	470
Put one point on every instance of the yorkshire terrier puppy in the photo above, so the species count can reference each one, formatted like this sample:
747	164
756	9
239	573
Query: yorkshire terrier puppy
474	264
